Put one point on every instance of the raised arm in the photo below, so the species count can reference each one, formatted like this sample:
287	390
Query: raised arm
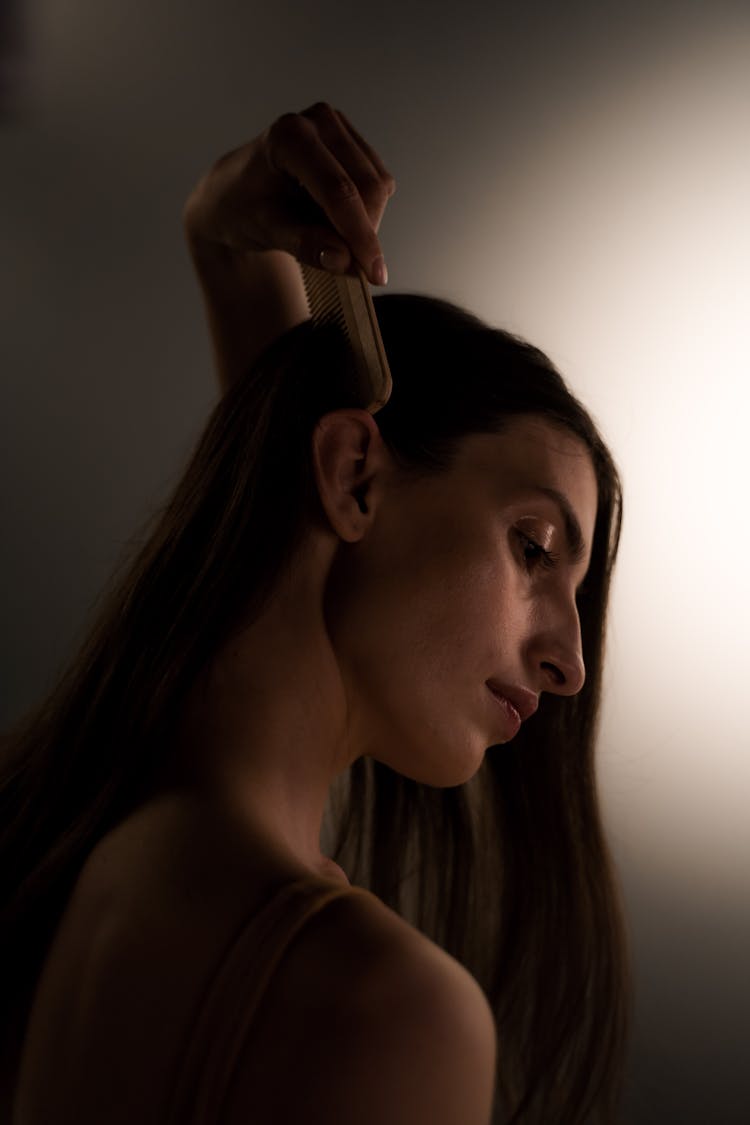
308	189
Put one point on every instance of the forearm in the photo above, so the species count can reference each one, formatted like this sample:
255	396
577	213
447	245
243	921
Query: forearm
249	301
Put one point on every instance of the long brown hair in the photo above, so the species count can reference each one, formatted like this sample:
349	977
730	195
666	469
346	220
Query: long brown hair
510	873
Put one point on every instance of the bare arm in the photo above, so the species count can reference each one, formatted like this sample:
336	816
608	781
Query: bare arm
427	1055
308	186
248	300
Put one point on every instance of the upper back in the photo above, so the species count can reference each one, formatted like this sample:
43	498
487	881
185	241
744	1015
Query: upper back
146	973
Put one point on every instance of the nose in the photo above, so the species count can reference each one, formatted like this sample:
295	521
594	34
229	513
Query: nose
556	652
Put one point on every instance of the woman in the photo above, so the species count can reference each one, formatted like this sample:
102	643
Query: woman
412	604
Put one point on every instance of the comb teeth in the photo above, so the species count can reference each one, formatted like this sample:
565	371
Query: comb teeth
345	301
323	298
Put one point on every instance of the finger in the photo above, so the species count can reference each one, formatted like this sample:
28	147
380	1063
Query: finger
374	183
315	244
372	155
296	148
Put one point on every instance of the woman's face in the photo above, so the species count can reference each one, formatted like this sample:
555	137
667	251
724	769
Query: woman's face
464	578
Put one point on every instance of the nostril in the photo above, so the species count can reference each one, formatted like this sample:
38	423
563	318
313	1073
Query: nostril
557	675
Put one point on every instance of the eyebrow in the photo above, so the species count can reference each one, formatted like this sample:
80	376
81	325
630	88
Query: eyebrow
573	533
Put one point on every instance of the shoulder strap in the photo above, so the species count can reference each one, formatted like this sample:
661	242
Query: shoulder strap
231	999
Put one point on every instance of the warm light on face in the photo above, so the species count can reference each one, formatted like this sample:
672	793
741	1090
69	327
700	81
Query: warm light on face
625	243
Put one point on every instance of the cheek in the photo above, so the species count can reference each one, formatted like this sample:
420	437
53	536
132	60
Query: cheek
418	622
428	613
410	640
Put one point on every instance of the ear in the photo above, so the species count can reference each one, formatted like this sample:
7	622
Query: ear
349	458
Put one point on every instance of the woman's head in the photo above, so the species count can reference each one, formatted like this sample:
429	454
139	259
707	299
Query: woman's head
445	582
464	380
442	507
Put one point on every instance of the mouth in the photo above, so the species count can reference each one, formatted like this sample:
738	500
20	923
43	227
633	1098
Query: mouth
523	702
511	717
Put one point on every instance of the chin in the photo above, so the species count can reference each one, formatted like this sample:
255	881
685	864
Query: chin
440	769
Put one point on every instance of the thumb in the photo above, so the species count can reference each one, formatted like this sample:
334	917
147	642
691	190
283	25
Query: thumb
319	247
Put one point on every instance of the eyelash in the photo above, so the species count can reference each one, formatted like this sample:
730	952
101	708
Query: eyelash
547	559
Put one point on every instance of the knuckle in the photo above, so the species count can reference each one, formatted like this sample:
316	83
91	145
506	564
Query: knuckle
286	128
343	189
374	191
276	137
282	136
321	109
283	125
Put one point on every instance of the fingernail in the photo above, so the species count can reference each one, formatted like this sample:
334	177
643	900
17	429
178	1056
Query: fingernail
379	271
331	258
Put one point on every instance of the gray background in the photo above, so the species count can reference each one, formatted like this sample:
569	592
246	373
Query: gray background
577	173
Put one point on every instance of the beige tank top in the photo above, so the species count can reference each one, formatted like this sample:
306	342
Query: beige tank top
225	1012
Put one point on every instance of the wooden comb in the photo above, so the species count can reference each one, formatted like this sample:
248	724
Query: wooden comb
346	302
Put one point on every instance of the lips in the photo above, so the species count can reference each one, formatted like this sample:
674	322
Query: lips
524	701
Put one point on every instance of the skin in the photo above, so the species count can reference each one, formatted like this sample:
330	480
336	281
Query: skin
405	599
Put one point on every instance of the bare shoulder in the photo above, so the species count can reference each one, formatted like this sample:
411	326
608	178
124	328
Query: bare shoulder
372	1022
